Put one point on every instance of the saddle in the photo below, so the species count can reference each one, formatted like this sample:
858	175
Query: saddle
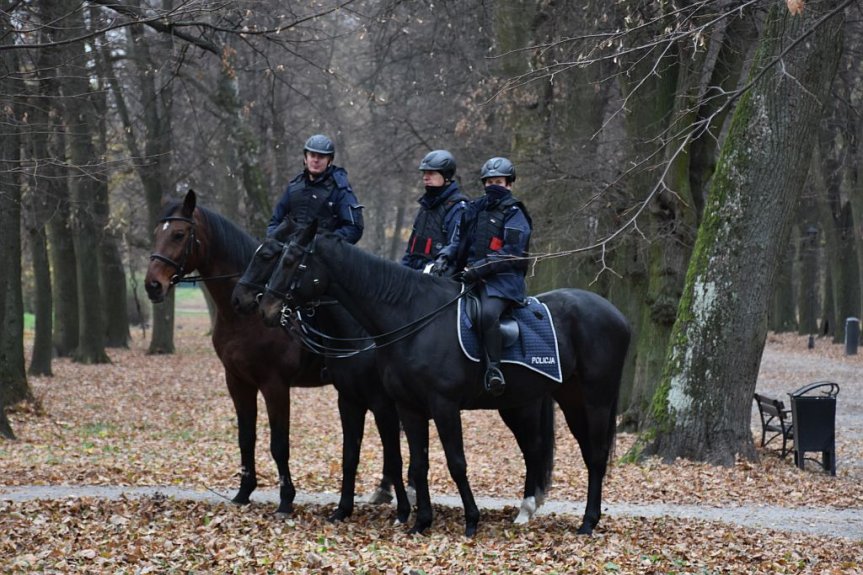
509	329
528	336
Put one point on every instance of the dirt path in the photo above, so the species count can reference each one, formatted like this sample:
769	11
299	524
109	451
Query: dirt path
830	522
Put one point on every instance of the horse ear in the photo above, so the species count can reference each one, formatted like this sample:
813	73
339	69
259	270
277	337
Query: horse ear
189	203
285	229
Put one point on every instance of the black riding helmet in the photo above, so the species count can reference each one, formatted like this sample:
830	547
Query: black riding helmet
320	144
497	167
439	161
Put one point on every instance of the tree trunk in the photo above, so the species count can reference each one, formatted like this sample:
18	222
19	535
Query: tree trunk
154	164
46	185
112	274
675	101
14	386
702	408
64	280
86	176
40	360
783	310
241	165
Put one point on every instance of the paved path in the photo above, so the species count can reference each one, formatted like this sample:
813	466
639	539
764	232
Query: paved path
829	522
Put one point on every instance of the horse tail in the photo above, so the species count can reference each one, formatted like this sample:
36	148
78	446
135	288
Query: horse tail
547	434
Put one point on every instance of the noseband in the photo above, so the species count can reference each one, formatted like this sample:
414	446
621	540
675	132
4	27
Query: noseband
191	242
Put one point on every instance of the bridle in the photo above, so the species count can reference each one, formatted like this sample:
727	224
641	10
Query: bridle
180	266
297	275
191	242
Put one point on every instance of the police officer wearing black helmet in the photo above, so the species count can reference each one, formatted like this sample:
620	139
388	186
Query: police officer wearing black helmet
496	238
321	191
434	240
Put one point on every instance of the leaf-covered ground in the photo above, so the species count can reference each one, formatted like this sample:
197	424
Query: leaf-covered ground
167	420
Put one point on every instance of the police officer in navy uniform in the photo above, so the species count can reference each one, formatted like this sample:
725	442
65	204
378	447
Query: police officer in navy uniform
321	191
434	240
496	238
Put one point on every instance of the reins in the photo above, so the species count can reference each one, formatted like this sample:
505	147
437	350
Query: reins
408	329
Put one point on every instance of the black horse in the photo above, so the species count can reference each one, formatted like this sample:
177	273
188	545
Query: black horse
191	237
338	337
428	375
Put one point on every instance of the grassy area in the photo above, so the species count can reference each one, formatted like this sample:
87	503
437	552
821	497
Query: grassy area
29	322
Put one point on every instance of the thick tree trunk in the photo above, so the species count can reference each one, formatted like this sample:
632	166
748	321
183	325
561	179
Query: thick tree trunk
14	386
702	408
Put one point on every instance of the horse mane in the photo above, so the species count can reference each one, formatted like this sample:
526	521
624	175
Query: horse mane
235	245
396	284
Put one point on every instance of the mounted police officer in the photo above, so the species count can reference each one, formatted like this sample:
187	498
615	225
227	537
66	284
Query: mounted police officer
434	240
496	238
321	191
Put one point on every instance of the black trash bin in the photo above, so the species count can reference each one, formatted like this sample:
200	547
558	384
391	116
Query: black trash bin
813	412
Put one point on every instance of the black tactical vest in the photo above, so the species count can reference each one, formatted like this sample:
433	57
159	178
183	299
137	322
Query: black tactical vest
428	237
488	237
306	203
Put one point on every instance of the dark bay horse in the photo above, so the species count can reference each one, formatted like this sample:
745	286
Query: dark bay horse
269	361
531	424
430	378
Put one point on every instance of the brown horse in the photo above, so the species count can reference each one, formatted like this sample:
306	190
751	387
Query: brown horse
269	361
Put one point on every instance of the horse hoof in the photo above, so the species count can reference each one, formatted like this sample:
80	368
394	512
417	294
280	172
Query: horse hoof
338	516
470	531
380	497
402	515
585	529
418	529
240	499
527	511
284	511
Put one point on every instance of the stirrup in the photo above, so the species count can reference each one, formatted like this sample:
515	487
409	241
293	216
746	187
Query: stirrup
494	381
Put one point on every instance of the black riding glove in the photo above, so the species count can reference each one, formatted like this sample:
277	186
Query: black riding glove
441	267
470	275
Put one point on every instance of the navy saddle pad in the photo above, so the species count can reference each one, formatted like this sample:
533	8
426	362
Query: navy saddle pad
536	345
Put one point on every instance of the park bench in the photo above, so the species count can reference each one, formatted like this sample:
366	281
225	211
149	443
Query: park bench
775	422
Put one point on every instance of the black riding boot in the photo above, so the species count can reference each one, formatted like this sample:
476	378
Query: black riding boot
494	381
492	308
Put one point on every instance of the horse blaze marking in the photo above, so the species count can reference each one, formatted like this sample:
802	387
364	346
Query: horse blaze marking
165	227
548	360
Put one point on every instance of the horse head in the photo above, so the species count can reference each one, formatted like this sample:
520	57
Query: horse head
253	283
296	279
175	248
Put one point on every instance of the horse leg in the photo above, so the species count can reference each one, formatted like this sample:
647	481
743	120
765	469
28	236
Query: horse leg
593	429
387	422
353	423
533	428
278	400
416	429
245	398
447	420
